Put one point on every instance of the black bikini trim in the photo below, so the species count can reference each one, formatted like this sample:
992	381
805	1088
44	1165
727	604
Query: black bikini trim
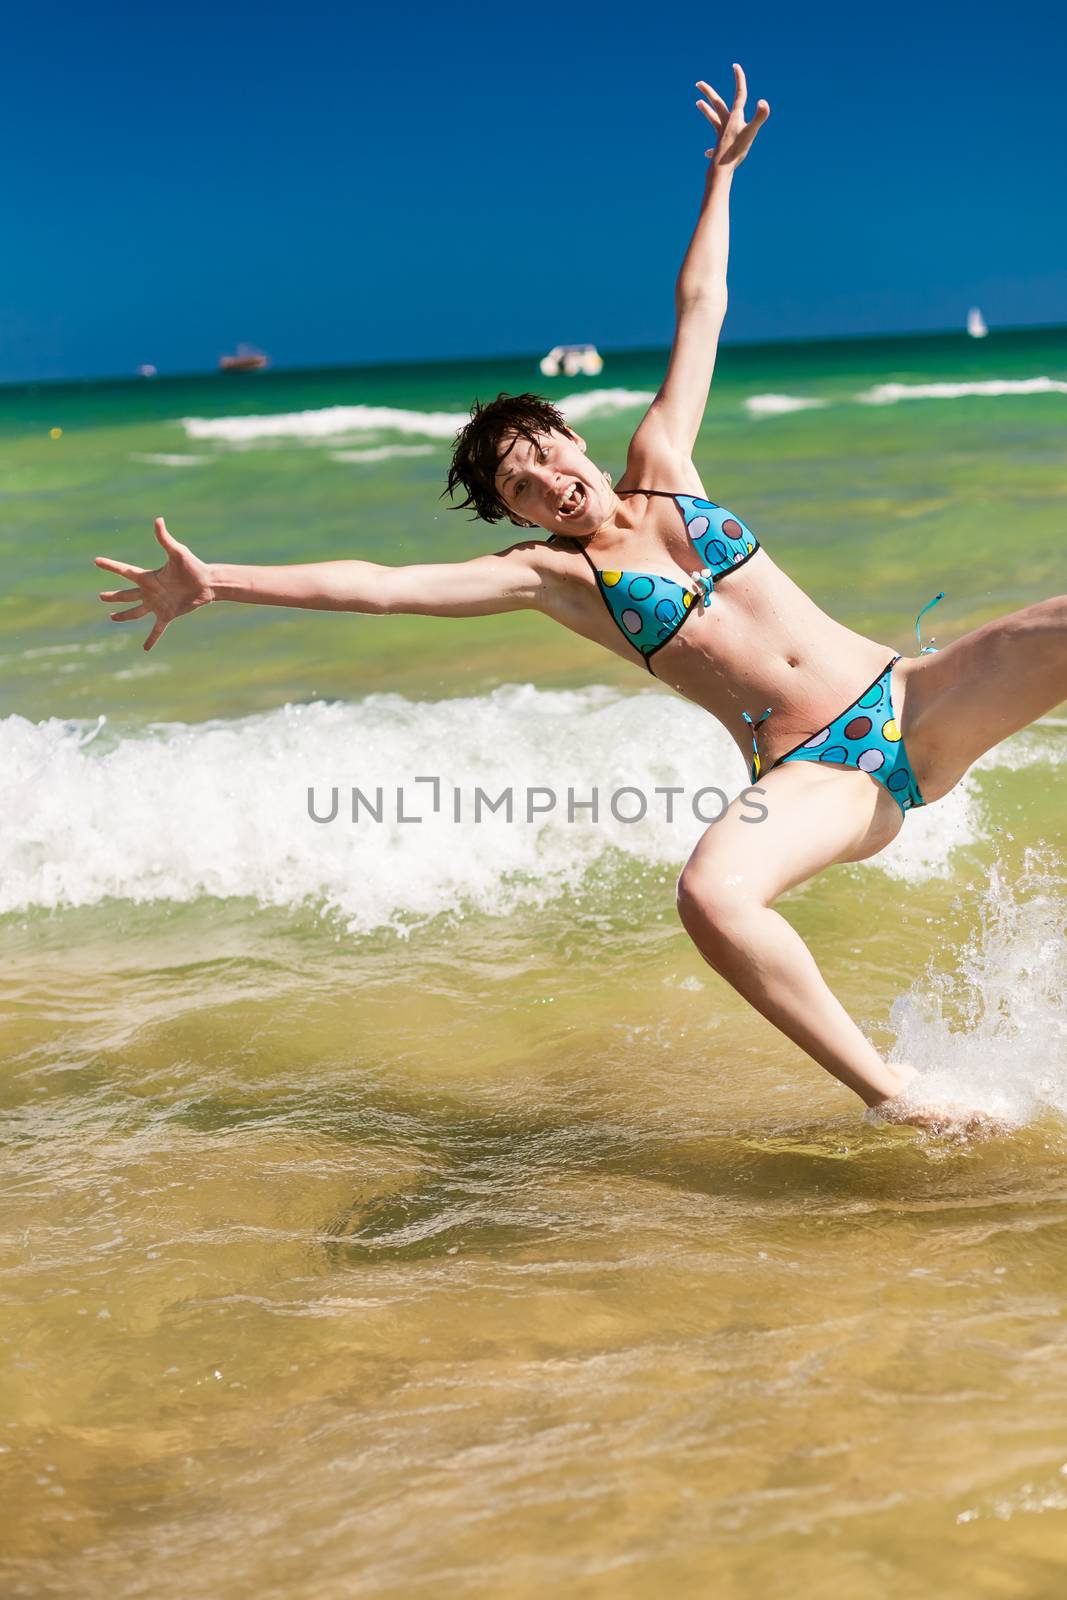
840	713
602	592
693	609
725	573
670	494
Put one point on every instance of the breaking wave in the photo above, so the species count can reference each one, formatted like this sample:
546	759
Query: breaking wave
177	812
338	422
888	394
778	405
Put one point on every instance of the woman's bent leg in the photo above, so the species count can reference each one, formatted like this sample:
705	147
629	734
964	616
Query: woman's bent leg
982	688
816	816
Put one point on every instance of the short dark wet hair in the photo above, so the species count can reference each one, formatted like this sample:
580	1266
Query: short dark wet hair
476	454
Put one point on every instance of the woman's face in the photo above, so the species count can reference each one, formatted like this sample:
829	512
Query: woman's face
553	484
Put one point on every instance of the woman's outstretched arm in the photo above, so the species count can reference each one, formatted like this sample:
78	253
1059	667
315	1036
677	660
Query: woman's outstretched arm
673	420
508	580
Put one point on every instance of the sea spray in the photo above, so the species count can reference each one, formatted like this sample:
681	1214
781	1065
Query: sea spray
176	812
992	1032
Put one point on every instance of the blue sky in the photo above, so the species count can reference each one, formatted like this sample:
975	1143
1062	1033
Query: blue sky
339	183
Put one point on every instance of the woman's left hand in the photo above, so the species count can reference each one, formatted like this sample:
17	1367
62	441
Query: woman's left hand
735	134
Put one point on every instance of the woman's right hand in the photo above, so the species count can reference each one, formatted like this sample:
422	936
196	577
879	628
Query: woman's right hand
735	134
180	585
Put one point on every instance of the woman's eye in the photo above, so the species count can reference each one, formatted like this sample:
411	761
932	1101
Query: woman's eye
520	486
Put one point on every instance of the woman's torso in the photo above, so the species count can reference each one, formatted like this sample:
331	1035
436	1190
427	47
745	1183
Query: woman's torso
757	641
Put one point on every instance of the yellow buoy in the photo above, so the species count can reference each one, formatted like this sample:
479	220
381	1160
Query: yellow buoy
55	433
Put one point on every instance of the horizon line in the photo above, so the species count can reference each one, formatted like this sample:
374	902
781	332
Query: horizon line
387	364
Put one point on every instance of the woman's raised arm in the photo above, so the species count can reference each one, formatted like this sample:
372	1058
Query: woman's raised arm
508	580
671	425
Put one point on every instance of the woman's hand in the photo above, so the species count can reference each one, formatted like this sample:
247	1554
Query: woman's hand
735	134
182	584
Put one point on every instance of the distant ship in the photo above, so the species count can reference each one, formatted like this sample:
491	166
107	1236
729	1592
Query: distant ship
571	360
976	324
146	370
244	359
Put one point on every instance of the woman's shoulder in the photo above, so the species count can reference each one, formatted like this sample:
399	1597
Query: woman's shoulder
659	470
556	562
542	552
563	543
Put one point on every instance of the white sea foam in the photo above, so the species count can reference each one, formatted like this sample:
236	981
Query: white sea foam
603	402
1048	1493
887	394
381	452
337	422
328	422
242	826
991	1033
221	808
341	422
161	460
778	405
923	847
1040	745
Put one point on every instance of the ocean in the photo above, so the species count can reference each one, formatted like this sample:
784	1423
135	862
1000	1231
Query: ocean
394	1202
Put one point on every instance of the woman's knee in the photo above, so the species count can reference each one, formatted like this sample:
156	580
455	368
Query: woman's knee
712	912
1052	613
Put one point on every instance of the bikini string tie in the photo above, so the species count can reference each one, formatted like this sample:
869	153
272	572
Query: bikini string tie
925	649
756	764
705	585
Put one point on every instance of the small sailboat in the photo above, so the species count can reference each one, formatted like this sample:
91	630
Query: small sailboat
572	360
976	324
246	358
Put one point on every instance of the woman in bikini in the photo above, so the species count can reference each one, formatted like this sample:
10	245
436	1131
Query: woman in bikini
844	736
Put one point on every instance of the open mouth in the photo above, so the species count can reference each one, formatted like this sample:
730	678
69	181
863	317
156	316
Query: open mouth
573	502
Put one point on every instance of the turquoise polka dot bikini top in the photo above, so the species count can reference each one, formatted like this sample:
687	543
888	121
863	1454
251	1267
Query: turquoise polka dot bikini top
650	610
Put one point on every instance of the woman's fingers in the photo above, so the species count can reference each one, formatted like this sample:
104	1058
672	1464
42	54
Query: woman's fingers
741	93
166	538
729	121
714	96
123	568
750	129
144	607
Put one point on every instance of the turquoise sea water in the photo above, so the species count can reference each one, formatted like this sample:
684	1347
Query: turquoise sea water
404	1207
874	507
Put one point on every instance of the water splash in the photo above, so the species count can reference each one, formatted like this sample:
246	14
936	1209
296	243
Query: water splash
993	1033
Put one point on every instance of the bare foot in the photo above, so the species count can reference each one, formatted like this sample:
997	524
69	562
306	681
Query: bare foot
949	1116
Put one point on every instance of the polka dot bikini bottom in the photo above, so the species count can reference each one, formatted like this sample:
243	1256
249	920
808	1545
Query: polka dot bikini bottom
867	737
